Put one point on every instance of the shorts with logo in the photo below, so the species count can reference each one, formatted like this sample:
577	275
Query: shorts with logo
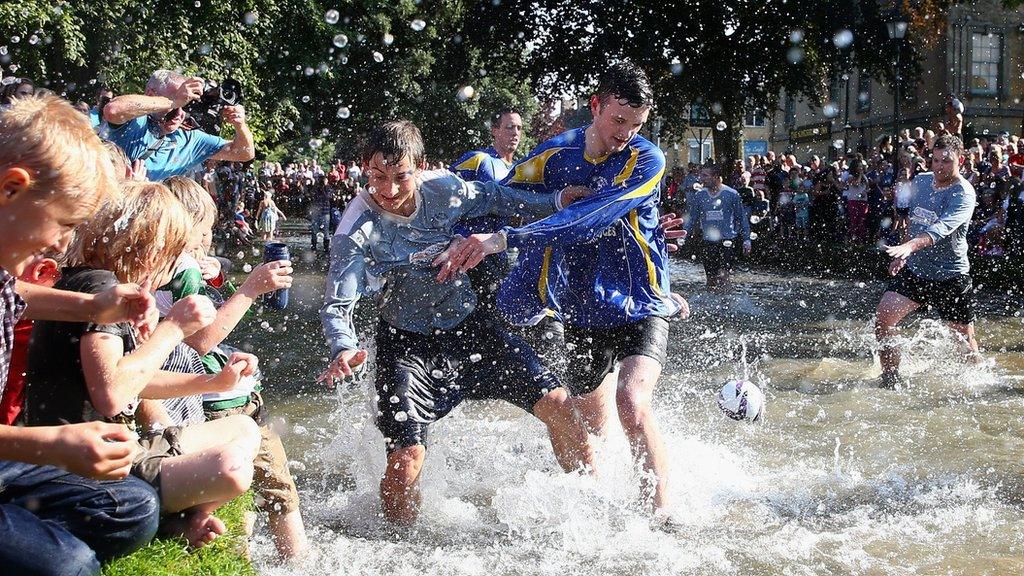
421	378
953	299
593	352
718	258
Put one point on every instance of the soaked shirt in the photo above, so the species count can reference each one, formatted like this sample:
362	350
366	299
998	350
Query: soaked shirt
944	214
372	245
175	154
720	216
601	261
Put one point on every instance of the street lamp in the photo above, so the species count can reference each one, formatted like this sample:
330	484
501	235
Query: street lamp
897	31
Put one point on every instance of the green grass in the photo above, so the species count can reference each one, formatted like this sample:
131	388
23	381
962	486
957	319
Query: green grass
170	557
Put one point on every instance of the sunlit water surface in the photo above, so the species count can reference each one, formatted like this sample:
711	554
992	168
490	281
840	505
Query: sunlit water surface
841	477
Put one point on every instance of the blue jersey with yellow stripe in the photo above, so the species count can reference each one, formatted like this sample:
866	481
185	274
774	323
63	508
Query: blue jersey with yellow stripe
601	261
481	166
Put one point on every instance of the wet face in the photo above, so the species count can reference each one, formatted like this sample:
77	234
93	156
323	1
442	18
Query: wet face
172	120
507	133
945	164
616	123
391	185
710	180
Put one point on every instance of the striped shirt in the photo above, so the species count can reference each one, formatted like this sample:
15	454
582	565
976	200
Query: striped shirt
185	409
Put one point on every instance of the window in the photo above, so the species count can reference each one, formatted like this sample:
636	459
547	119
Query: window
790	111
754	118
700	150
863	92
699	115
986	58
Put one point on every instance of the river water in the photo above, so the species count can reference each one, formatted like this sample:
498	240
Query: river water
841	477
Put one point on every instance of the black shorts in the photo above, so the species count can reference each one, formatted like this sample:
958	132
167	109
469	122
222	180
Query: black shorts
953	298
592	352
547	338
486	278
421	378
718	258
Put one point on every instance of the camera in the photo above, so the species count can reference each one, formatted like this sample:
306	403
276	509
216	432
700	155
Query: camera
204	112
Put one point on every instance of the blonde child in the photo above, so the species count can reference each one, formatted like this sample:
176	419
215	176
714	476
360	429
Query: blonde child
275	489
106	369
267	216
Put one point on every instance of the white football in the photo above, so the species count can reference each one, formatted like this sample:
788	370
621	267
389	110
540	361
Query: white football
741	400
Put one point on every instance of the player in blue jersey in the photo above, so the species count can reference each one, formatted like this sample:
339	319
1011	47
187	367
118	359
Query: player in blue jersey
491	164
718	210
931	268
435	348
600	265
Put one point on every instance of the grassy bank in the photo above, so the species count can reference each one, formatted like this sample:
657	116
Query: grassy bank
170	557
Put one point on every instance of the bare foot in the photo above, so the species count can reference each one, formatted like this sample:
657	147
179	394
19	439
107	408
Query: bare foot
201	528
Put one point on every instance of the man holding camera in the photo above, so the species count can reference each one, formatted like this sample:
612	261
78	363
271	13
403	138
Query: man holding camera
149	128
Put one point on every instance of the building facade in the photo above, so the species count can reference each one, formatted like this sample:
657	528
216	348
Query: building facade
978	58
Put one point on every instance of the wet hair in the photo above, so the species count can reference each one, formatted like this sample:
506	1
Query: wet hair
497	116
194	197
950	143
7	96
714	168
122	165
395	140
625	81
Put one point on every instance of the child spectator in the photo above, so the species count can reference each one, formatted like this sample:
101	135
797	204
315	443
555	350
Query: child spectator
103	369
57	516
267	216
275	489
802	205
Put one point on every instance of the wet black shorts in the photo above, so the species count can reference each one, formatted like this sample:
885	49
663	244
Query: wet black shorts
486	278
718	258
953	298
592	352
421	378
547	338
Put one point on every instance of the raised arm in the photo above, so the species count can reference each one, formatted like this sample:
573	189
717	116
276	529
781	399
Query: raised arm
129	106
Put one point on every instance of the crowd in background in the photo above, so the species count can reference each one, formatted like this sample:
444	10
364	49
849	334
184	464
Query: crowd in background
864	198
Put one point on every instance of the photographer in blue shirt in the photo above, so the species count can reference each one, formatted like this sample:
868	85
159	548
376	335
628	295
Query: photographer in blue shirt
149	127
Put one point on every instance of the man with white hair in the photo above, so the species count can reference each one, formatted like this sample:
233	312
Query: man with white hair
149	127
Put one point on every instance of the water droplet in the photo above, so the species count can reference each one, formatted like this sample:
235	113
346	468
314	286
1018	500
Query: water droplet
249	18
795	55
838	144
437	373
475	357
308	71
33	39
753	235
729	30
197	3
830	110
465	93
378	57
721	125
241	254
315	143
401	416
247	268
340	40
265	325
305	98
417	25
727	243
843	39
755	219
796	35
455	202
388	39
676	68
344	112
331	16
204	49
15	39
393	399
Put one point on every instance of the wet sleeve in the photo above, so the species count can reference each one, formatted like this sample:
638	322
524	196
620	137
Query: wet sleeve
589	217
958	212
205	145
345	284
482	198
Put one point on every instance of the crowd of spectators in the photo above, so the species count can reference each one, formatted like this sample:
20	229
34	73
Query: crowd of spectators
864	198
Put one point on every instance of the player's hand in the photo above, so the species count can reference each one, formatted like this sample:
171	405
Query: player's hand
209	267
98	450
896	265
570	194
189	90
191	314
684	306
234	115
901	251
465	253
746	247
124	303
268	277
672	227
343	368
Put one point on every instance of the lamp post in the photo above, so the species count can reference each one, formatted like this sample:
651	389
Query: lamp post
897	31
